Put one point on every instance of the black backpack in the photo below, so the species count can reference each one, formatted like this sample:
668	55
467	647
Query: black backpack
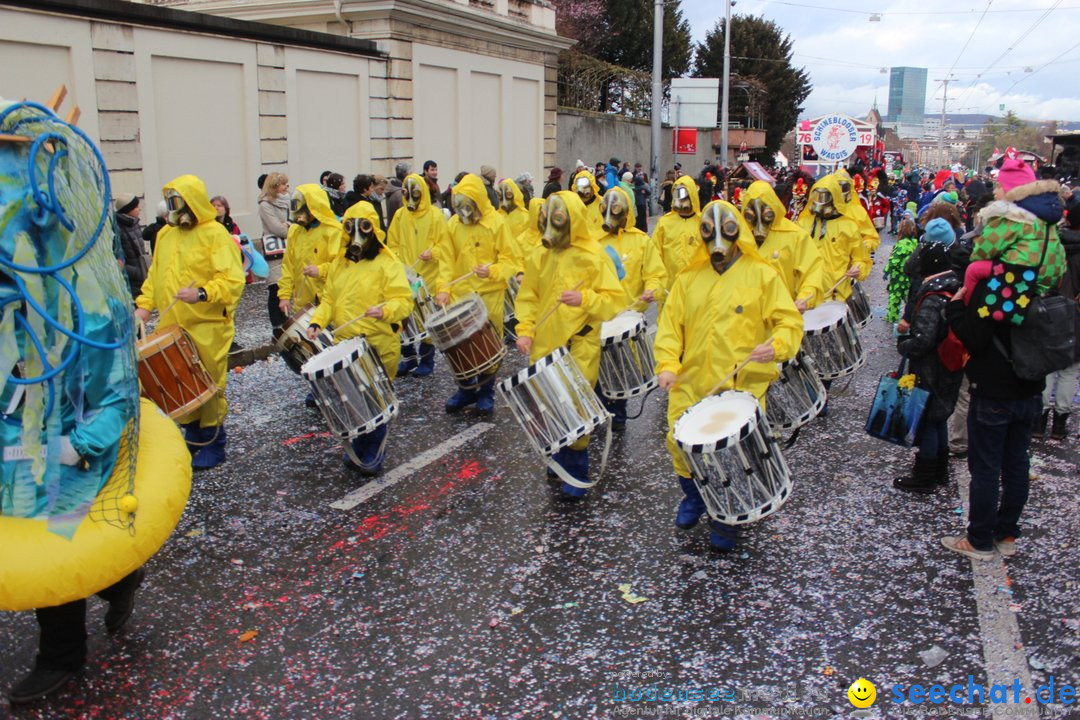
1046	342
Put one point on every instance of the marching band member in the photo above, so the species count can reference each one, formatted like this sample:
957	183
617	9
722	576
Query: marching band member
417	234
482	251
584	184
576	278
512	206
530	237
197	278
837	237
677	232
851	207
784	245
645	280
366	294
313	245
726	306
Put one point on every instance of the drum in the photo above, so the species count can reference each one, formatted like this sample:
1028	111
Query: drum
735	461
351	388
171	374
796	397
858	305
626	357
412	327
292	341
469	341
831	341
553	402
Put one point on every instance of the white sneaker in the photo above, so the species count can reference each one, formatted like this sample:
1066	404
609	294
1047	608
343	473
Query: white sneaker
1006	547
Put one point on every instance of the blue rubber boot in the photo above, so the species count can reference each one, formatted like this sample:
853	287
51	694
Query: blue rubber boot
485	398
692	506
309	401
213	454
193	435
575	462
426	365
408	360
367	448
617	408
723	537
460	400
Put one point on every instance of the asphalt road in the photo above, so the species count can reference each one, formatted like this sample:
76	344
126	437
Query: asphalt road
463	589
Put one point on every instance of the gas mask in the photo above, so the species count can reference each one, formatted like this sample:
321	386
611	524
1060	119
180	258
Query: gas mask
680	202
845	190
466	209
760	217
583	188
363	237
719	231
180	215
298	210
506	197
413	194
615	210
821	204
554	224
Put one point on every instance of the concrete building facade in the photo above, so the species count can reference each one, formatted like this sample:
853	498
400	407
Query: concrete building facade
907	101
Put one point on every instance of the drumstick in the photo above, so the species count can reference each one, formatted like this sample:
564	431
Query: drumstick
420	259
175	300
555	307
361	316
838	284
455	281
733	373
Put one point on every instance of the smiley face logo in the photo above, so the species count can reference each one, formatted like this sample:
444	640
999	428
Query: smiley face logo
862	693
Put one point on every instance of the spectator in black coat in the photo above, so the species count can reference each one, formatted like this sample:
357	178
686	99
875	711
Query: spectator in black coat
128	208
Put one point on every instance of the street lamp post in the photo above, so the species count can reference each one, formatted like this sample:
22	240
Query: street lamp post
727	81
657	96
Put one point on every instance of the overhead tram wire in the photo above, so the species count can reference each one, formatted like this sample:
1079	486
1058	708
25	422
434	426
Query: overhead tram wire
1009	49
1025	76
968	42
833	8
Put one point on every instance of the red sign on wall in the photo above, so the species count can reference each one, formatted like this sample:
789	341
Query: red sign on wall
684	141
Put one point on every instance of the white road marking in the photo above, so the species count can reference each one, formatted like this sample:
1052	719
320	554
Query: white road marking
373	488
1003	651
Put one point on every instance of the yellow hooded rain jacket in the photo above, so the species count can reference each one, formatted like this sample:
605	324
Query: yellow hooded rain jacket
204	257
711	323
320	245
413	232
838	242
641	260
789	249
354	287
677	238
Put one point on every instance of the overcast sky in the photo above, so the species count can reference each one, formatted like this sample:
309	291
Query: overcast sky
844	52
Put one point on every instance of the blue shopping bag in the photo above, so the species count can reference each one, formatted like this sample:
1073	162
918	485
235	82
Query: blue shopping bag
896	412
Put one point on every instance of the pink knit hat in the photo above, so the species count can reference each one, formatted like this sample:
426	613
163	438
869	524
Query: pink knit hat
1014	173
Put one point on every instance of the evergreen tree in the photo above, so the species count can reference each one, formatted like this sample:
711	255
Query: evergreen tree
759	49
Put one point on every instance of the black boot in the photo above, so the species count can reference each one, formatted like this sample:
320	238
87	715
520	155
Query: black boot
922	478
40	682
1061	420
941	470
1040	425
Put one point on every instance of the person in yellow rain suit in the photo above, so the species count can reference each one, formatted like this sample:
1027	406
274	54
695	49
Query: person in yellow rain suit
784	245
574	276
196	279
837	238
584	184
727	306
530	237
366	294
482	251
313	245
677	232
417	234
512	207
852	208
645	278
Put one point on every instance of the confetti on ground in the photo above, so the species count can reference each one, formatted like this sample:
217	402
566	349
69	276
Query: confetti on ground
248	636
630	597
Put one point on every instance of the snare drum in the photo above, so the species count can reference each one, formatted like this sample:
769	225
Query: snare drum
292	341
626	358
469	341
735	461
553	402
412	327
351	388
831	341
796	397
171	374
858	305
